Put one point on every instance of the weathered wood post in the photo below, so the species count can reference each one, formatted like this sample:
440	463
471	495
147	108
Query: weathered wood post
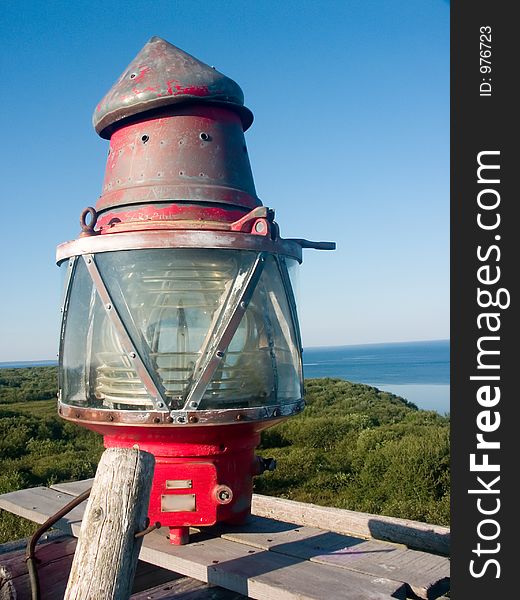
106	556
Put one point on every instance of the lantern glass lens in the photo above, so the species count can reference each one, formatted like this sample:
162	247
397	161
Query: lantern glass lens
169	306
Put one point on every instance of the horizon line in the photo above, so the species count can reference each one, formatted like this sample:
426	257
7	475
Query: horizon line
55	361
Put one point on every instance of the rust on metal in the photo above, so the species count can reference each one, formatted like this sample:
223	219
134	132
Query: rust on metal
190	418
88	226
165	160
162	75
178	239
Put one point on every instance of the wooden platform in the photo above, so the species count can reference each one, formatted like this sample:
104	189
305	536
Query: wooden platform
279	555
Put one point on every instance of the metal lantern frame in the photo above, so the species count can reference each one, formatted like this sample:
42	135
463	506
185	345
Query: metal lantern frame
86	248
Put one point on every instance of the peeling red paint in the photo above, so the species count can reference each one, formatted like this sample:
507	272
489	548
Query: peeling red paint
143	71
172	212
191	90
146	89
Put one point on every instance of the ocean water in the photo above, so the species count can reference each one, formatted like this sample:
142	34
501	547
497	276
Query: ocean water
417	371
28	363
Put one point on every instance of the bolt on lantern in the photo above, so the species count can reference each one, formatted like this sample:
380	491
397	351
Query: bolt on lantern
179	330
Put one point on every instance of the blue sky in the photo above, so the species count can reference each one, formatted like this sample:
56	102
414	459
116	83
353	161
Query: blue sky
350	143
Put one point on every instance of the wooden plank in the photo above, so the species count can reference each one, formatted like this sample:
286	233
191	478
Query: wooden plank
414	534
39	503
55	558
21	544
74	488
254	573
265	575
186	588
427	575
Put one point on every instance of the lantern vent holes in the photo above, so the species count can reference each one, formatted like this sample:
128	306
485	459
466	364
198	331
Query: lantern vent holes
205	137
145	138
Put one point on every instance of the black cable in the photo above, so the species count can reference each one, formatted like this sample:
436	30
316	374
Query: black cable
30	555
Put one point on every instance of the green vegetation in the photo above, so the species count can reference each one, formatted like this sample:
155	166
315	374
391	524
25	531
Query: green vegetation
353	447
359	448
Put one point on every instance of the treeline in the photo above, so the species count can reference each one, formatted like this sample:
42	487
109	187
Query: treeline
26	385
352	447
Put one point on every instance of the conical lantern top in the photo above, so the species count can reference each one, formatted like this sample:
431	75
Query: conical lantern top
163	75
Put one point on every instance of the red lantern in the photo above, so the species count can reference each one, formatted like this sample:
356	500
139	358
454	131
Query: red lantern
180	331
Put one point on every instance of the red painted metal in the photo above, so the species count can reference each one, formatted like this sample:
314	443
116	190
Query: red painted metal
193	154
215	465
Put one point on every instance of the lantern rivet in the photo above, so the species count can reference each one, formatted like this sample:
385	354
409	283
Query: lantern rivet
132	354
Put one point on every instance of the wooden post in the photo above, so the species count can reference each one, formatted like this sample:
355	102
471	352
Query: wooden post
106	556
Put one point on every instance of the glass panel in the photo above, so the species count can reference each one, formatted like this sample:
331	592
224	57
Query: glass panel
293	267
72	363
262	365
95	371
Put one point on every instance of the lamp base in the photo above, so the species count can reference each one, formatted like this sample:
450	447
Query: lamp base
197	484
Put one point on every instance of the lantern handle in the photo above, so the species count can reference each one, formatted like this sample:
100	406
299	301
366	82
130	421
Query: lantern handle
315	245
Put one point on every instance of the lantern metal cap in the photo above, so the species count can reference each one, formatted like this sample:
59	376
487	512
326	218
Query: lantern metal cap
164	75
